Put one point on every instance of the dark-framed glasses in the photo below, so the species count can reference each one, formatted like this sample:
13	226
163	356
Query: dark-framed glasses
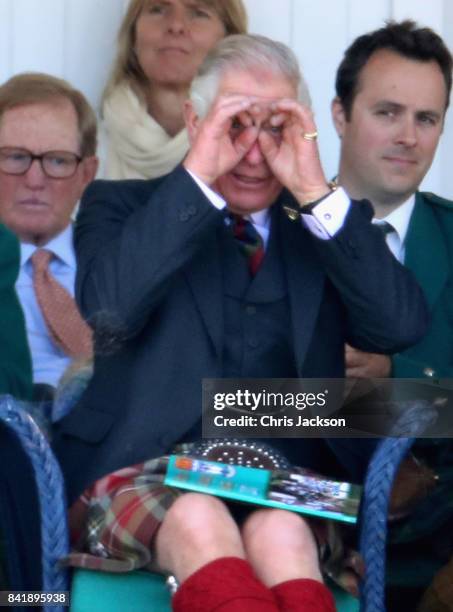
55	164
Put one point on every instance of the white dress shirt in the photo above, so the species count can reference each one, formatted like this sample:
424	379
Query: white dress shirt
399	219
324	221
49	361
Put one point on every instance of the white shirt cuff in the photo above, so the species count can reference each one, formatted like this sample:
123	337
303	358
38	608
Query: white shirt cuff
327	218
324	221
215	199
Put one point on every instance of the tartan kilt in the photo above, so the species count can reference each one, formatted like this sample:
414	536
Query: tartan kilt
113	522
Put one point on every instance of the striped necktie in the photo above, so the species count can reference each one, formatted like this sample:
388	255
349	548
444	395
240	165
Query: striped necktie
248	240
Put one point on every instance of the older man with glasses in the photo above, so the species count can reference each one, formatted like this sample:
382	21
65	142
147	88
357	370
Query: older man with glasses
47	157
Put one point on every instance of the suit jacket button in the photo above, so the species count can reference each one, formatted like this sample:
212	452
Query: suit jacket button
192	210
184	216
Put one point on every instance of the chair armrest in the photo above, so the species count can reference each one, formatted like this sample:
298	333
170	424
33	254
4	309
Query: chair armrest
50	486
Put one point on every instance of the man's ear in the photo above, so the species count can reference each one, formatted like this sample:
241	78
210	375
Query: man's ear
338	116
191	119
89	169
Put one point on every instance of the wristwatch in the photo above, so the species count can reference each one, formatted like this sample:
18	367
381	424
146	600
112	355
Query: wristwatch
307	208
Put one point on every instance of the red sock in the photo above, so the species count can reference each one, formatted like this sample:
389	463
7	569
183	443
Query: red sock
224	585
303	595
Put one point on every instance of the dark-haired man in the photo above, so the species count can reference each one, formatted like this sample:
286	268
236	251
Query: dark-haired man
393	90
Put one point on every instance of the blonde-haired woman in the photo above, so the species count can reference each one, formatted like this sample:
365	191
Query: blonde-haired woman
161	44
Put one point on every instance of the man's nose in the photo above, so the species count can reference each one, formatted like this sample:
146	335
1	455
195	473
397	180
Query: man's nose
407	132
35	177
254	155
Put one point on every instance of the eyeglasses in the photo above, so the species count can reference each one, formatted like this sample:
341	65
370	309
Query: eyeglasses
55	164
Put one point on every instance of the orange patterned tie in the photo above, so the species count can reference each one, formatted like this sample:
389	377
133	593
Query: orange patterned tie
66	327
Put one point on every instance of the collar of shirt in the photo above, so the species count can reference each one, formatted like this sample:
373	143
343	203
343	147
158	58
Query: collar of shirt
61	246
261	221
399	219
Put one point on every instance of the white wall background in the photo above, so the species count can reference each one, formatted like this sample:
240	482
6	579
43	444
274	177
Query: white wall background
75	39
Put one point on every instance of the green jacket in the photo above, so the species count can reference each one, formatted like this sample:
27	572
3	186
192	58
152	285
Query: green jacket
418	544
429	255
15	360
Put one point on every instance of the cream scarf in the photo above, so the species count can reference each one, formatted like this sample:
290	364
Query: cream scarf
137	146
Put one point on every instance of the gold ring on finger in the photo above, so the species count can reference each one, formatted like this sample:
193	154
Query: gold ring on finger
310	136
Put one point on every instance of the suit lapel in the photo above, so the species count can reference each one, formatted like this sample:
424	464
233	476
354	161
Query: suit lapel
305	278
204	276
426	255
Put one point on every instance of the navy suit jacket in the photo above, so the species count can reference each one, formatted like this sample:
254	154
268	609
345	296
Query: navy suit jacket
150	281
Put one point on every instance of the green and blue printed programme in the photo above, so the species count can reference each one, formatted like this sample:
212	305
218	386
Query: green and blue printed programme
300	491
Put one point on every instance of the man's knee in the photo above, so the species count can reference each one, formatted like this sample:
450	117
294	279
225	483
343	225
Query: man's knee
266	522
197	529
280	546
196	519
195	510
271	529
